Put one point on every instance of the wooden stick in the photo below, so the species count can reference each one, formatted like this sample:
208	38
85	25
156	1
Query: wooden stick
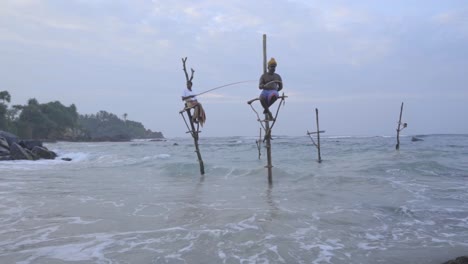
264	53
195	141
259	144
184	60
267	123
318	136
194	132
398	129
268	148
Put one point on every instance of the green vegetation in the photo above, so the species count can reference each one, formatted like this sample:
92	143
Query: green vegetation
107	126
54	121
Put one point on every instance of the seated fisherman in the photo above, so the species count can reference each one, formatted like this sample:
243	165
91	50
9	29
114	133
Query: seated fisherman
191	102
271	84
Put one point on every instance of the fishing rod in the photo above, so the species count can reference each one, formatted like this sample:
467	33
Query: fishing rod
274	81
222	86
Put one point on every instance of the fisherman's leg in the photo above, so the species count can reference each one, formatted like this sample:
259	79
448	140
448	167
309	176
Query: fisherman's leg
264	105
264	101
196	113
271	99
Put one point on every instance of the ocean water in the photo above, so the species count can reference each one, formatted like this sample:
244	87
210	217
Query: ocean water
145	202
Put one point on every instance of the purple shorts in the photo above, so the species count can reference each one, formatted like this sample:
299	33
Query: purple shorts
266	95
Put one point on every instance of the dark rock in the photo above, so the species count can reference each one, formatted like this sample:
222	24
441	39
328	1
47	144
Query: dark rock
33	156
4	151
43	153
66	159
175	144
416	139
151	134
8	157
4	143
19	153
10	138
30	144
459	260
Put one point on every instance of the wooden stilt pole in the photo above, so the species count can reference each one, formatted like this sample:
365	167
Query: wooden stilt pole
268	147
399	128
195	141
200	161
264	54
194	132
318	136
267	122
317	145
259	144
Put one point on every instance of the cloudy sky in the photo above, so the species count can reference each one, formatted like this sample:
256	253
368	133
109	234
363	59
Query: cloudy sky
356	61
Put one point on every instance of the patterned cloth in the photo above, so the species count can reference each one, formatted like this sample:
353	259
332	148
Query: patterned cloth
267	95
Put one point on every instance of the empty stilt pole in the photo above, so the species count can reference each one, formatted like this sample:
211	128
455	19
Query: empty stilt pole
318	135
317	145
400	127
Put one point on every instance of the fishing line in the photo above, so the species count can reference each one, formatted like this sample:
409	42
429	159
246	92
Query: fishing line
222	86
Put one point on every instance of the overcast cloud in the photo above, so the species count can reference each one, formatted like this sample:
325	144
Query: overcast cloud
355	61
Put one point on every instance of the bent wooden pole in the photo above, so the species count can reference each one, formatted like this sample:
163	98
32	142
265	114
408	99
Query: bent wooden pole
194	132
400	128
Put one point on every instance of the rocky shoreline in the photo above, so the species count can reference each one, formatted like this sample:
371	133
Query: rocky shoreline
13	148
459	260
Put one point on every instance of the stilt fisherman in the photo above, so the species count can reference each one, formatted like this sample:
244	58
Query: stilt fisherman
271	84
190	99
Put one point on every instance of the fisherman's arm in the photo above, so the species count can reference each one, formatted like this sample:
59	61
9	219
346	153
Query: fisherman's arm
280	83
187	97
261	83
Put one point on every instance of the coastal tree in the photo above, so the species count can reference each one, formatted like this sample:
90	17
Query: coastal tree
33	123
5	97
46	121
54	121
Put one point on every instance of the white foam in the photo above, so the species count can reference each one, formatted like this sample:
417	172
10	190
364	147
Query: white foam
86	199
86	251
115	204
29	165
187	248
159	156
163	156
366	246
222	255
374	237
244	224
80	221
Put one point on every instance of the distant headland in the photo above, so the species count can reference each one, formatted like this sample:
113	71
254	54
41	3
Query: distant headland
55	122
